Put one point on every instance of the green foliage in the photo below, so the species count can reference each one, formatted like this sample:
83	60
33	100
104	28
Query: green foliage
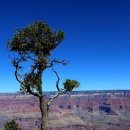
37	38
69	84
12	125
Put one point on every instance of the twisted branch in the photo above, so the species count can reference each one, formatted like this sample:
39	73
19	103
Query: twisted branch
19	77
55	61
57	86
58	79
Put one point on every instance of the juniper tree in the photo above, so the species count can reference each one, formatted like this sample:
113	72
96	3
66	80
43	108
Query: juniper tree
12	125
34	44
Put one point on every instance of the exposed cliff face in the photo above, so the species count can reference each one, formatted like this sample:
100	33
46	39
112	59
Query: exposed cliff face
91	110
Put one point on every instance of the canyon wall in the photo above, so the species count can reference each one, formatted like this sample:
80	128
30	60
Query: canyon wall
86	110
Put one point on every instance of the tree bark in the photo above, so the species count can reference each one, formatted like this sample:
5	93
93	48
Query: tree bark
44	113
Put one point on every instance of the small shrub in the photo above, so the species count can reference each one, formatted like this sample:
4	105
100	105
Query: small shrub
12	125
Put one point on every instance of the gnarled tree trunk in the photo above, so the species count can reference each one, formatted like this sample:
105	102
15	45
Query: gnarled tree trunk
44	113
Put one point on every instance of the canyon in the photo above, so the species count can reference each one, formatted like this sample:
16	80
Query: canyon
79	110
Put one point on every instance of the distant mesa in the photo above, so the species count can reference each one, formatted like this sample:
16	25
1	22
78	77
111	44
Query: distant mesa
84	110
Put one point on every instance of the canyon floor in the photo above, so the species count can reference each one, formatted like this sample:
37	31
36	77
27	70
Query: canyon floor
86	110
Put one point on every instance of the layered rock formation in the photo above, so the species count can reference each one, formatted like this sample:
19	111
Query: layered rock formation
88	110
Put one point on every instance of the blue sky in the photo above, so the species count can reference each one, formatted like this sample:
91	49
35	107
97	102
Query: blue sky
97	40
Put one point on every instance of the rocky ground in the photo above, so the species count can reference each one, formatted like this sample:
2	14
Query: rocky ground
90	110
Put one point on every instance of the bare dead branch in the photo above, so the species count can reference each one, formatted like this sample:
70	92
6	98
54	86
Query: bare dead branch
16	62
55	61
58	79
52	98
